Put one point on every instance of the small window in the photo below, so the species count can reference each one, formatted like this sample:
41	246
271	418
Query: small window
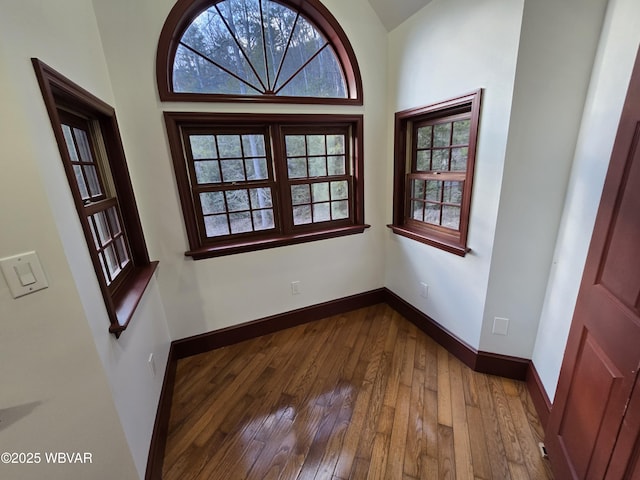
248	181
92	155
264	50
434	160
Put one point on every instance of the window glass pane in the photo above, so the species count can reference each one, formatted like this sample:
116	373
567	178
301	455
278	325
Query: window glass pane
207	172
123	254
229	146
316	145
212	202
256	169
66	130
337	165
339	190
434	190
417	210
83	145
114	222
424	137
295	145
253	145
322	77
112	261
320	192
418	189
321	212
452	192
318	167
335	144
232	170
300	194
203	146
278	23
461	132
451	217
241	222
237	200
93	231
442	135
297	167
432	213
105	270
459	158
440	160
339	210
103	231
84	193
423	160
260	198
305	42
216	225
302	214
263	220
92	177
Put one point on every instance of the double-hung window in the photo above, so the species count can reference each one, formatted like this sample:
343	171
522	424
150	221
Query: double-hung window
251	182
93	158
434	161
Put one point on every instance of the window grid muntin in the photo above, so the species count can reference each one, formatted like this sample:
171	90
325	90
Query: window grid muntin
308	154
199	189
110	238
82	160
273	87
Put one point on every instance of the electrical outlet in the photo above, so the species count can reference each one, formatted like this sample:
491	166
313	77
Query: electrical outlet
295	288
500	326
424	290
152	364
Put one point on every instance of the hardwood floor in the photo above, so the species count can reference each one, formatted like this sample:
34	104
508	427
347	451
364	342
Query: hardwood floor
364	395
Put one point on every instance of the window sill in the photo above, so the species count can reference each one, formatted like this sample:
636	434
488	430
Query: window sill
434	241
129	296
219	250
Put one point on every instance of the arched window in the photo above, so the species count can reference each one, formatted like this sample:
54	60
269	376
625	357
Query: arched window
262	50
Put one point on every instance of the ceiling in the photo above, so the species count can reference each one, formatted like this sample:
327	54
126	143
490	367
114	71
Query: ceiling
393	12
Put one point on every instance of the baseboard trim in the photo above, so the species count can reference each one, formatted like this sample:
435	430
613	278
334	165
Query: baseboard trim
485	362
538	395
161	425
257	328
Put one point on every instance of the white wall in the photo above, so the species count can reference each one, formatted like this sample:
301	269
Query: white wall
449	48
557	49
59	344
616	54
200	296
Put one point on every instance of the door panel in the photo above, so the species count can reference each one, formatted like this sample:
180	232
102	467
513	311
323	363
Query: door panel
591	434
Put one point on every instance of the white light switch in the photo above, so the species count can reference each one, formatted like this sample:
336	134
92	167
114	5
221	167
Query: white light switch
23	273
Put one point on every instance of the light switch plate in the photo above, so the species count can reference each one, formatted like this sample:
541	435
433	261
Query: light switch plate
23	274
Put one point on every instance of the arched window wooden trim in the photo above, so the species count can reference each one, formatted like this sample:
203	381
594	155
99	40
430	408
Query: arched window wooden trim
186	11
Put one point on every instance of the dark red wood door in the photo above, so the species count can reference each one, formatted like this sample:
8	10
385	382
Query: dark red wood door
602	357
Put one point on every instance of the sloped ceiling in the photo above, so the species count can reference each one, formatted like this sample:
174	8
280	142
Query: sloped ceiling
393	12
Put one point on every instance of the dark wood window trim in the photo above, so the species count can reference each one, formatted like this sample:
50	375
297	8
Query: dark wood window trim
285	232
185	11
61	95
453	240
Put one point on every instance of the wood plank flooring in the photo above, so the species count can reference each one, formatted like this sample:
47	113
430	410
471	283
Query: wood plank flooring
364	395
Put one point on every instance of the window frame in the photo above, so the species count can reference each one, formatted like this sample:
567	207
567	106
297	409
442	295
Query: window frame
59	93
199	246
405	146
185	12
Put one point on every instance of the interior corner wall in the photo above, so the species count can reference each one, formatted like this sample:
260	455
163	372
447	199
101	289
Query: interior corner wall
450	48
75	387
205	295
555	58
617	50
